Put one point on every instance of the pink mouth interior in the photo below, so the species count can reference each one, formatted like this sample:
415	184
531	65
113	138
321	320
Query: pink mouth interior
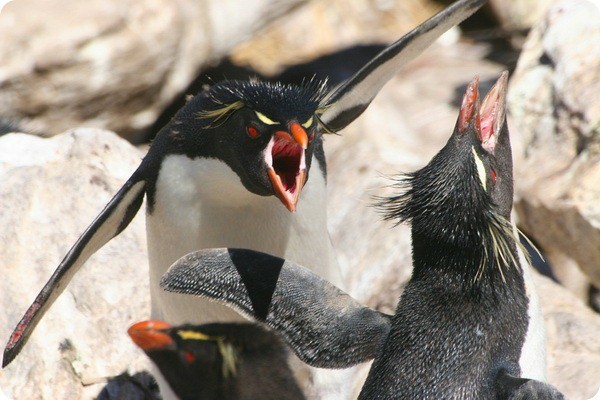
286	162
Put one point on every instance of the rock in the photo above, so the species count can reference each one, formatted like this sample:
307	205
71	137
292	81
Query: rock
51	189
518	15
573	341
324	27
113	64
554	100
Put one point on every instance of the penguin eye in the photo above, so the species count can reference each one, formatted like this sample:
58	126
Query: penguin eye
253	132
189	357
311	136
493	174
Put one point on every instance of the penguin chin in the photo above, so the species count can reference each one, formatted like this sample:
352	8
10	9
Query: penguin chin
286	163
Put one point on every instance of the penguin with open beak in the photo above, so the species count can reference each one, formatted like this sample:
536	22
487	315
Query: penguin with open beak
215	174
218	361
463	325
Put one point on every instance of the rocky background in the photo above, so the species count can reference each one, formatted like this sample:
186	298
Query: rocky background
118	65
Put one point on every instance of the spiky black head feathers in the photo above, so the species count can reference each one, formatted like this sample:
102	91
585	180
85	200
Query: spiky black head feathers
279	102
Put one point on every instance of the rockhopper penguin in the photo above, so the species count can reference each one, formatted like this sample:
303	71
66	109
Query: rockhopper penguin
464	327
218	361
213	172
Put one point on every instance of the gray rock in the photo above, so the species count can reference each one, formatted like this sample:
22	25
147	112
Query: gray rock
516	15
51	189
113	64
573	341
554	100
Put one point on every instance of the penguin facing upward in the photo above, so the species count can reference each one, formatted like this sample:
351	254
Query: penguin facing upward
218	361
462	324
212	175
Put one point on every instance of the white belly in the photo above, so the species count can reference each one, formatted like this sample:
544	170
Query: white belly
533	354
201	204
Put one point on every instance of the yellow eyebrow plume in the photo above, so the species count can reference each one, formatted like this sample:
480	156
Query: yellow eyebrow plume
308	123
264	119
185	335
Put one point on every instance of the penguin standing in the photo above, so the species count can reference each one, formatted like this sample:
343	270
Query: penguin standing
218	361
464	326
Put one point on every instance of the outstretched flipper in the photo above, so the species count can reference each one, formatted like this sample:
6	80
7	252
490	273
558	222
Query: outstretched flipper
509	387
115	217
355	95
324	326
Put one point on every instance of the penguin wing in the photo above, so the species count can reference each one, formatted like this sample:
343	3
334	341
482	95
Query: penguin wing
355	95
115	217
510	387
324	326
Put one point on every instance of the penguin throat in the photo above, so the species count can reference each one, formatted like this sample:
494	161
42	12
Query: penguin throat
287	160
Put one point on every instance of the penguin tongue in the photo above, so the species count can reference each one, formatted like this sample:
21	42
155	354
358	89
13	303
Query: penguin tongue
492	114
287	171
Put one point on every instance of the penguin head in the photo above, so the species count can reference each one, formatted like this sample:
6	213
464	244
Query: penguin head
265	132
217	361
193	362
467	188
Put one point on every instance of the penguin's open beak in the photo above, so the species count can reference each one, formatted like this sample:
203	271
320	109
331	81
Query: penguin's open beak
486	117
286	161
149	335
491	114
469	109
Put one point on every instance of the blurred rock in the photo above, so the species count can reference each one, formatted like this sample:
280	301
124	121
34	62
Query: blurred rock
51	189
573	341
113	64
326	26
554	99
518	15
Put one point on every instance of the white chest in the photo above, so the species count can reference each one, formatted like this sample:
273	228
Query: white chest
202	203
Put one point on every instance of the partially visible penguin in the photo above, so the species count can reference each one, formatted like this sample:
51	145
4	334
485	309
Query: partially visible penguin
217	174
226	361
465	326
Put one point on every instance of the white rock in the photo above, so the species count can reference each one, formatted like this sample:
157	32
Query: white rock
51	189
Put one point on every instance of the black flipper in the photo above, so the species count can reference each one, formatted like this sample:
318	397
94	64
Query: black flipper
324	326
115	217
355	95
509	387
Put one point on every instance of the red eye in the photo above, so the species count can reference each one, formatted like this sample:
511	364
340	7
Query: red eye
493	175
311	137
189	357
253	132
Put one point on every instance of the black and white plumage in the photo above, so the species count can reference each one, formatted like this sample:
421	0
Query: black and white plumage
464	327
266	137
218	361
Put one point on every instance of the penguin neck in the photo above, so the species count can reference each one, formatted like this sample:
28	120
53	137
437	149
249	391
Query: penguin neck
487	261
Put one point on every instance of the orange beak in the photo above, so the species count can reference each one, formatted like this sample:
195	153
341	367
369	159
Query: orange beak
149	335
